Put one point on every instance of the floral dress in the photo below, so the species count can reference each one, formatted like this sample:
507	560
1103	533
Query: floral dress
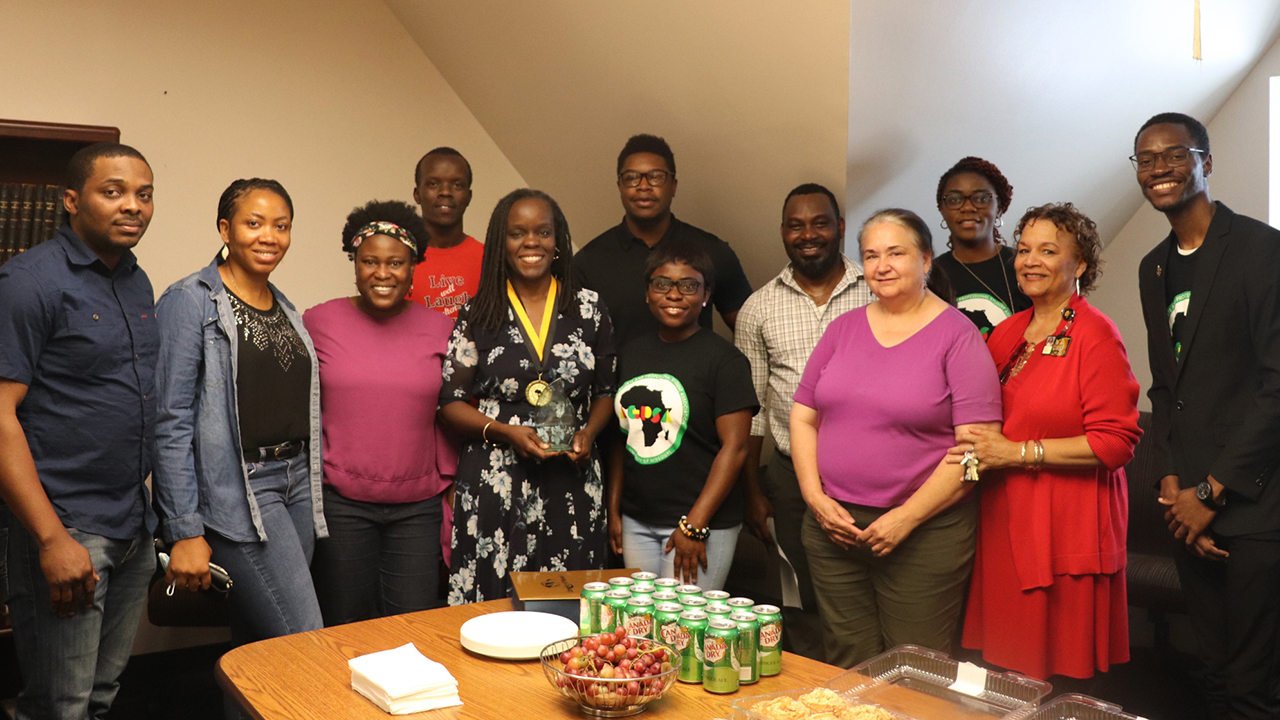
513	513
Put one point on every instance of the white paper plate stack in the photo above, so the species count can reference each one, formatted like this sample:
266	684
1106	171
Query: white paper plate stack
403	681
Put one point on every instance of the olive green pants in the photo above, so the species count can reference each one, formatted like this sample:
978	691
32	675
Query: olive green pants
914	595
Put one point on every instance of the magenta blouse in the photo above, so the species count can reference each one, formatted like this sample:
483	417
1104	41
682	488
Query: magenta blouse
379	384
887	415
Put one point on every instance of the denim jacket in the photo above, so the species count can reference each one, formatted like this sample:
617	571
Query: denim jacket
201	479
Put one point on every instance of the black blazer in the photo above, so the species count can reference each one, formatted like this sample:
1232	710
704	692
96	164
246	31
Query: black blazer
1216	411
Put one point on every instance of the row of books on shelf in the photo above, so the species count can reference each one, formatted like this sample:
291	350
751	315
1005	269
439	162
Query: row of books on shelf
29	215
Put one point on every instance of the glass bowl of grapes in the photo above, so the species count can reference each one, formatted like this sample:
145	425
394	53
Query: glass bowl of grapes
611	674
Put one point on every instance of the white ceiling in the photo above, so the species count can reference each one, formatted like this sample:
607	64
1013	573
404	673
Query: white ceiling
1051	92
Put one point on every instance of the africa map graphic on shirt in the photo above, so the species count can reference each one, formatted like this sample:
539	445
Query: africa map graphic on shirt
653	412
1177	316
985	311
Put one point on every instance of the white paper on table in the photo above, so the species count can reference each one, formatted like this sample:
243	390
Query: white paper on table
970	680
786	573
403	680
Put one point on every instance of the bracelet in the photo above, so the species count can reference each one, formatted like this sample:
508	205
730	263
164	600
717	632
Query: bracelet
1024	453
691	532
485	432
1039	459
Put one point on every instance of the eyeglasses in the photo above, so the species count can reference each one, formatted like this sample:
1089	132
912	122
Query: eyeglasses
656	178
981	200
1176	156
687	286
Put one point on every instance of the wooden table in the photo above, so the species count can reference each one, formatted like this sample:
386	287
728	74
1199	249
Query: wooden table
306	675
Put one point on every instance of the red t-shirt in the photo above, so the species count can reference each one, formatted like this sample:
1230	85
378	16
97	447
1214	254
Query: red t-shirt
448	277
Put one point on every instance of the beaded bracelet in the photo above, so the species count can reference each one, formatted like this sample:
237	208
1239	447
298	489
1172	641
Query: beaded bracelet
691	532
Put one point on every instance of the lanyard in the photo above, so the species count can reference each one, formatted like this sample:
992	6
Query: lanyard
538	392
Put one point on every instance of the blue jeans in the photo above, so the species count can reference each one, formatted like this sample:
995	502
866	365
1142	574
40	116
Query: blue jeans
72	665
379	559
272	594
643	544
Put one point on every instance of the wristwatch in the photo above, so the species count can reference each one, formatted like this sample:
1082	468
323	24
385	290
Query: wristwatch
1204	491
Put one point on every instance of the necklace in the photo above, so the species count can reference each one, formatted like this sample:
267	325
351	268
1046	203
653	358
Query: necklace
236	287
1003	274
536	340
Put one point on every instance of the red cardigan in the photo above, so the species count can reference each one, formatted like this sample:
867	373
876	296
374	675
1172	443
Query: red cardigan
1068	521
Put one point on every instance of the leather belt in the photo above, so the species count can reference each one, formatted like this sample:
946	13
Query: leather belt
283	451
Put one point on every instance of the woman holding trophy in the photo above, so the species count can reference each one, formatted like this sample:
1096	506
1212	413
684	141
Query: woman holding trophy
529	351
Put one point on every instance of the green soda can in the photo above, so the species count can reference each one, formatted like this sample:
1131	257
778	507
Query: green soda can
589	607
639	620
666	596
770	618
643	576
693	629
643	587
740	604
666	622
718	610
688	591
613	609
720	671
667	584
621	583
748	647
694	603
714	595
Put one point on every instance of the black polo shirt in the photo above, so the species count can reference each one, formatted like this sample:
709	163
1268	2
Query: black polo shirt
83	339
613	265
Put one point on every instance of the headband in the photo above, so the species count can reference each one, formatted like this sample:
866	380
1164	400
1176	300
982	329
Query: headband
384	228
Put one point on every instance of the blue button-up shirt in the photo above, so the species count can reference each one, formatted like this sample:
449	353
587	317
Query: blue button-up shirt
83	338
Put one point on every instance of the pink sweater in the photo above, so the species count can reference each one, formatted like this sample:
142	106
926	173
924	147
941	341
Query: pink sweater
379	382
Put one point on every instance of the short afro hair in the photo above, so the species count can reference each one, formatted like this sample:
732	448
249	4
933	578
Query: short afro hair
647	144
80	167
230	200
811	189
390	211
685	252
440	152
1084	235
1199	135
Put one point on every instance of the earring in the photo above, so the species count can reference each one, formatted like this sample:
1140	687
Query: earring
557	255
1077	286
943	224
225	251
999	221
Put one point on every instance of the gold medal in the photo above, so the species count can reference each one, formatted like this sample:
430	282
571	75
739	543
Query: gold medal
538	392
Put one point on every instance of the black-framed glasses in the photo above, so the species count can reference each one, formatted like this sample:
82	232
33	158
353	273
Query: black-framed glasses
687	286
980	200
1176	156
1007	371
656	178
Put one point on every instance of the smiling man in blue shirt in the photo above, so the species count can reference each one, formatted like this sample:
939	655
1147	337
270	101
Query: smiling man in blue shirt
78	347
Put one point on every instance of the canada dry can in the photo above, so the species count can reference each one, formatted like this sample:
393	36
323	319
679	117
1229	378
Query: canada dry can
613	610
748	647
720	672
694	602
644	587
715	595
717	610
666	584
666	622
589	607
770	618
639	622
621	583
693	630
688	591
740	604
665	596
643	576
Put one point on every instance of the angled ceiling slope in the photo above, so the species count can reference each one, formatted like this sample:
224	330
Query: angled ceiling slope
1052	93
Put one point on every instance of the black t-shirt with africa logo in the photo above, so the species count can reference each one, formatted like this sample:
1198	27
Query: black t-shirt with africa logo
1177	293
986	292
669	396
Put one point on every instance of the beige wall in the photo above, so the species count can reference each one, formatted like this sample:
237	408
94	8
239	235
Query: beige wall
751	96
331	98
1238	138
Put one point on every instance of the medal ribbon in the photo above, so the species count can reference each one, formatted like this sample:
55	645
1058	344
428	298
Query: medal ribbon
536	340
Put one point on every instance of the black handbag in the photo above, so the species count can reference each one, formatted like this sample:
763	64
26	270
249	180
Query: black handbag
169	606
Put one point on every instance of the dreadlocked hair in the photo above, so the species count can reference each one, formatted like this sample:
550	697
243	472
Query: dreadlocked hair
978	166
489	306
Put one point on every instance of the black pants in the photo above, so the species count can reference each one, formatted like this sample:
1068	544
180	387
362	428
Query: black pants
379	559
805	630
1235	611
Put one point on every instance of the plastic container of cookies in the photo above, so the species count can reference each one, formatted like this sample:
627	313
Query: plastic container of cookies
1077	707
909	683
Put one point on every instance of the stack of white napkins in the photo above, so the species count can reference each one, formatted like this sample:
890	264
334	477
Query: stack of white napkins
403	681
